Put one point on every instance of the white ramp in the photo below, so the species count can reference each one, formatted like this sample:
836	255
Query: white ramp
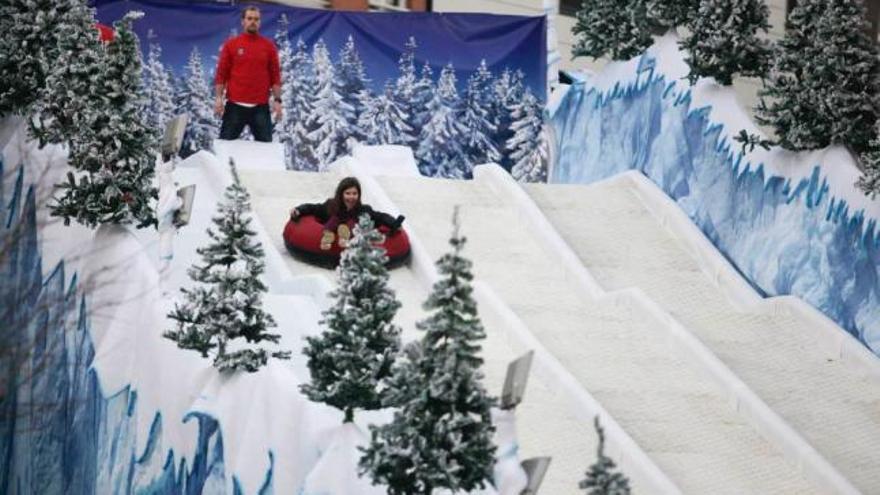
780	354
614	347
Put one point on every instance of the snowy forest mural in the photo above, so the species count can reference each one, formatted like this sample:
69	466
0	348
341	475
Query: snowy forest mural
453	119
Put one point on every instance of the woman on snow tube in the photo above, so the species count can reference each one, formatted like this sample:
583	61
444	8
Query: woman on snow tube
319	232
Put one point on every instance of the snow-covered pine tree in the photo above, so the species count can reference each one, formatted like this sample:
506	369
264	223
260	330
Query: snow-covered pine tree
226	306
441	152
441	435
383	121
422	95
405	90
507	93
32	33
605	28
329	122
601	478
298	97
70	89
823	87
479	129
724	42
528	146
662	15
869	182
114	153
350	361
196	100
281	130
159	91
353	86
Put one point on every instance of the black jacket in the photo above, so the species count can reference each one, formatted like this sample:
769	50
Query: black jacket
321	211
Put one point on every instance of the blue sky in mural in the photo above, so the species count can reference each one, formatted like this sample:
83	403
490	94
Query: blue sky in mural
515	42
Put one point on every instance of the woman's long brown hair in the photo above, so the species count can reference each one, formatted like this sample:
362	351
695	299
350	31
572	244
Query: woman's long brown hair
337	204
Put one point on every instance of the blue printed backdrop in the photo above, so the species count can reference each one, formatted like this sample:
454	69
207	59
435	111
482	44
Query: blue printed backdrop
464	40
784	236
459	89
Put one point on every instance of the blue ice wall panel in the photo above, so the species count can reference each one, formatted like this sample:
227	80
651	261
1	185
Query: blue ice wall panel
785	237
58	433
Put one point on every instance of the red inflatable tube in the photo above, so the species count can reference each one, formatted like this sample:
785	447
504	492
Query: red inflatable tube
303	240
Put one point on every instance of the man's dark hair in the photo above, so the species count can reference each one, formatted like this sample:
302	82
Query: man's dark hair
245	10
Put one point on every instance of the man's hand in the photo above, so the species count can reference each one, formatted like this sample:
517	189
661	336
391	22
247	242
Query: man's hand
276	110
218	106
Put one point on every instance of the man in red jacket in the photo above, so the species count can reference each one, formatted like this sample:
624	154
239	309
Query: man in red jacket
247	70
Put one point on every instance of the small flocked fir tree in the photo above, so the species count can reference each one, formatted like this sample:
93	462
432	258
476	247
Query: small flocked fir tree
441	435
823	87
606	28
528	146
869	182
70	92
724	40
195	99
113	153
351	360
226	305
601	478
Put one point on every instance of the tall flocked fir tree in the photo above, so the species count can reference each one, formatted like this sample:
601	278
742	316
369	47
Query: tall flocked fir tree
724	42
331	128
159	90
440	152
114	157
441	435
32	32
71	91
383	121
823	87
422	95
601	478
605	28
281	130
528	146
226	306
405	91
353	85
196	100
476	119
869	182
351	360
507	95
298	100
659	16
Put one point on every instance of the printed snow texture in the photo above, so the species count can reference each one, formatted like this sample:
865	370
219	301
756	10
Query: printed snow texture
785	235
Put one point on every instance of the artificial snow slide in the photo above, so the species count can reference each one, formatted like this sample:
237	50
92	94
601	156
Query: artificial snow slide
702	385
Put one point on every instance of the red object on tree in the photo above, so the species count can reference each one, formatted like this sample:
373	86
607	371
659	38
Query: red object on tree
303	240
106	32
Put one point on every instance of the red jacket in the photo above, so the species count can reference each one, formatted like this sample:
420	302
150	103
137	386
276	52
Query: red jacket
249	67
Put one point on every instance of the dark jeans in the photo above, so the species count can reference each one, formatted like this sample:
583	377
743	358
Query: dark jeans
235	117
